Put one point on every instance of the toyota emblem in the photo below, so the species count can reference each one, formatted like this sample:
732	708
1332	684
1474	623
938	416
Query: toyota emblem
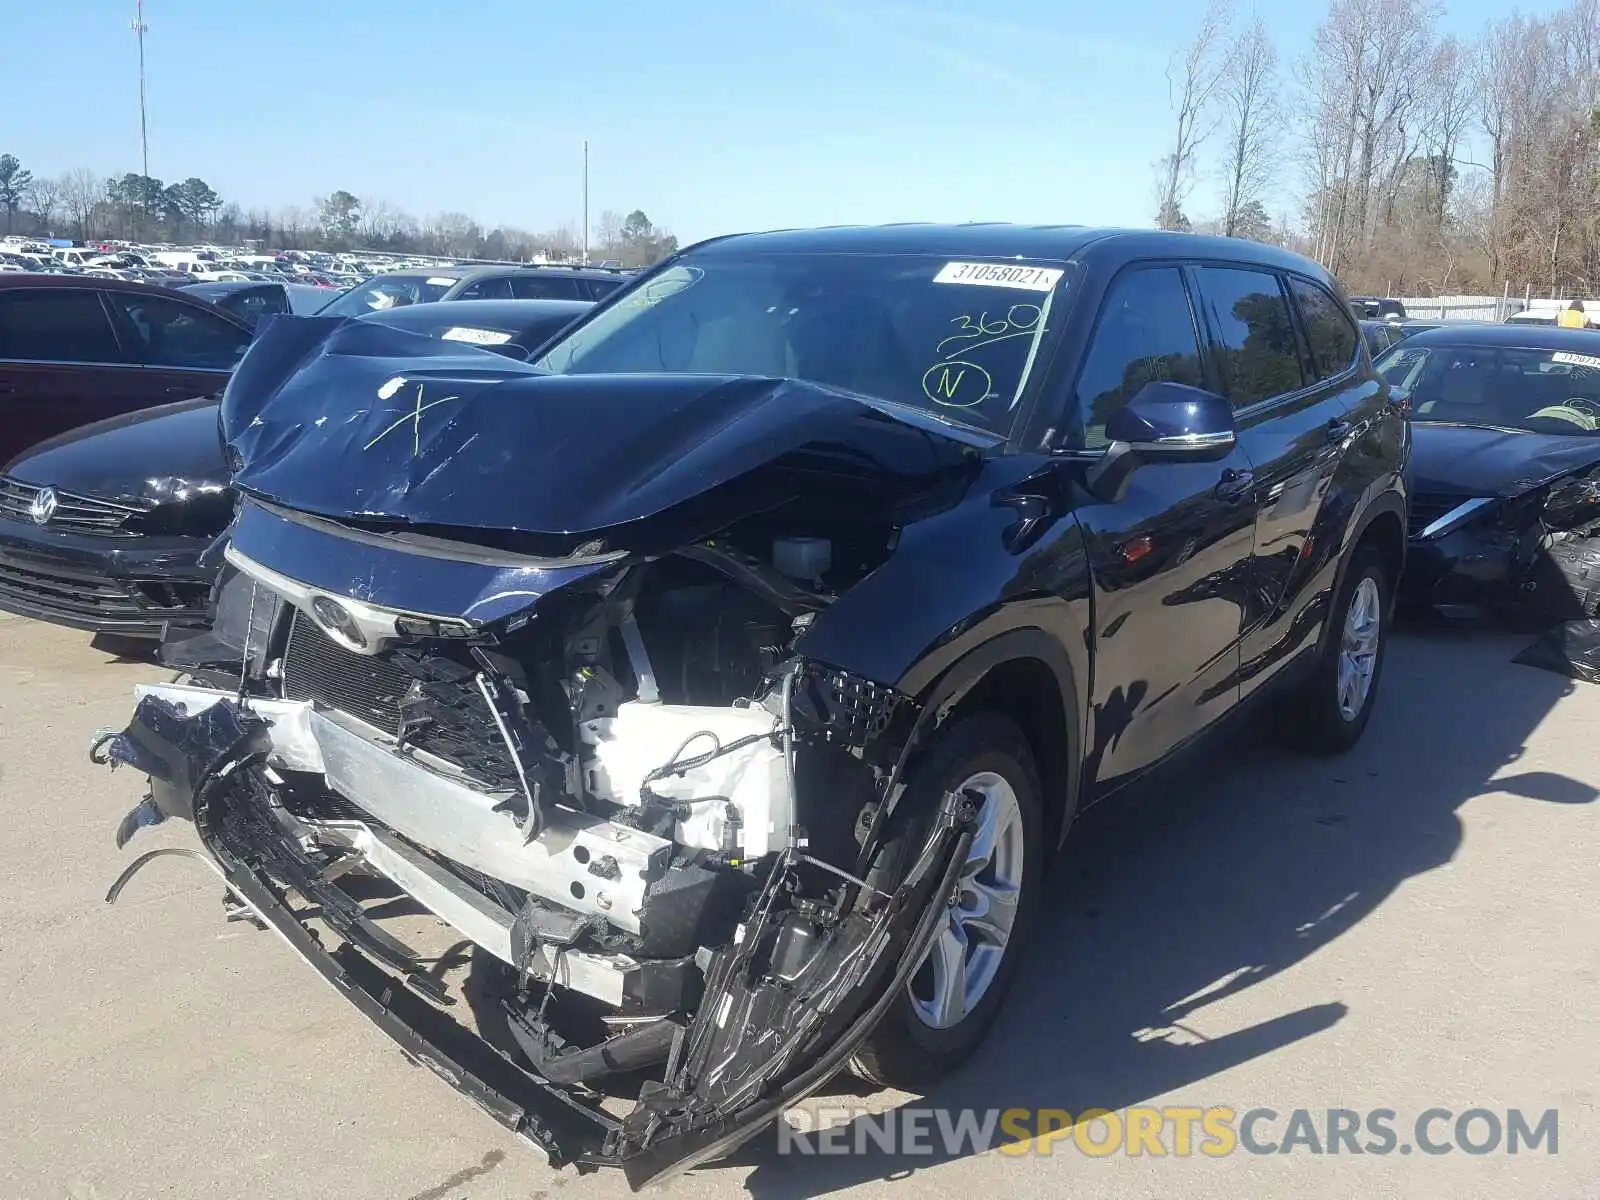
44	506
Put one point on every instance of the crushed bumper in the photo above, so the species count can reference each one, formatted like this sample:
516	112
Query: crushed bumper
786	1037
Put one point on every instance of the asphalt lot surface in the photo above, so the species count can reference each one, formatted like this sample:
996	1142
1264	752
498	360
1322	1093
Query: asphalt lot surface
1413	925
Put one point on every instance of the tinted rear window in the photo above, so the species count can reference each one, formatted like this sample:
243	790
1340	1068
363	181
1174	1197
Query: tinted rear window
56	325
1329	330
1260	357
544	287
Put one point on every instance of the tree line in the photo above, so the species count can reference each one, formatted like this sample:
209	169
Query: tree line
1398	156
85	205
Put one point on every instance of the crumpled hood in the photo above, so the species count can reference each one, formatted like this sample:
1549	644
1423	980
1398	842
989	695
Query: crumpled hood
354	420
159	455
1466	461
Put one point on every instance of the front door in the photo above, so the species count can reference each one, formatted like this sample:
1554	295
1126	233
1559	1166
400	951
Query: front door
1290	397
1171	555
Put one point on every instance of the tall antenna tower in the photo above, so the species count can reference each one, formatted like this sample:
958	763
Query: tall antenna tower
140	29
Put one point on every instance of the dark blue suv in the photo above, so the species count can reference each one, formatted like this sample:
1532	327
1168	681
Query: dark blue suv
728	673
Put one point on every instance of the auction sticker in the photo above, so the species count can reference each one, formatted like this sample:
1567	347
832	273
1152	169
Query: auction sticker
1032	279
1575	360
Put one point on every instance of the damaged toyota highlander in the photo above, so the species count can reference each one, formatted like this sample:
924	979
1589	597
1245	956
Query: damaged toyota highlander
726	675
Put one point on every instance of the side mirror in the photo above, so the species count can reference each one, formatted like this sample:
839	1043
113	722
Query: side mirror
1163	422
1172	422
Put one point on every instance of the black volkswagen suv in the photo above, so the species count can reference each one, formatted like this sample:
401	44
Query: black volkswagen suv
728	673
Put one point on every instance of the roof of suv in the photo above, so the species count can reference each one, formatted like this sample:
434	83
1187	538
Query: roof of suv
998	239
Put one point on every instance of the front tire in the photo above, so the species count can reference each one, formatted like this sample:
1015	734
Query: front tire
1333	706
956	992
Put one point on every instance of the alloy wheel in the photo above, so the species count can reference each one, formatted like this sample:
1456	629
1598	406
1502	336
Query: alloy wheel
980	912
1358	648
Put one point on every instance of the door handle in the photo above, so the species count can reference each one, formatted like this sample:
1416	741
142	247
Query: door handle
1235	485
1338	430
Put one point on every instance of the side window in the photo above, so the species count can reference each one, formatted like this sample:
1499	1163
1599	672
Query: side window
253	304
1145	334
498	288
599	289
545	287
1329	332
56	325
1259	354
173	334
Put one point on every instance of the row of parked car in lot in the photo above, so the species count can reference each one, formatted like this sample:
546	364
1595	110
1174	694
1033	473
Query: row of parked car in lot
725	657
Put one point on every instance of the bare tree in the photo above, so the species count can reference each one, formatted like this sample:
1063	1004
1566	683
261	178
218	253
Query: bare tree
376	222
82	190
1247	93
1366	61
1193	77
1450	101
44	197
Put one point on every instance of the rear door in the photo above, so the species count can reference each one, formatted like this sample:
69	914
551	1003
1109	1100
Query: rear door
61	366
1293	414
185	349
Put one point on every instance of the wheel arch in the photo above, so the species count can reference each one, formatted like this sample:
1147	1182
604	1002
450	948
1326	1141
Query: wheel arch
1027	676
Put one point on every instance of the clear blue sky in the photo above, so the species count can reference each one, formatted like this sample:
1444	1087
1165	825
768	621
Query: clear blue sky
711	115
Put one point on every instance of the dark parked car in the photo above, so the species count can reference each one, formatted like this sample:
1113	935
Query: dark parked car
252	301
76	349
1377	307
138	499
1505	510
728	673
399	288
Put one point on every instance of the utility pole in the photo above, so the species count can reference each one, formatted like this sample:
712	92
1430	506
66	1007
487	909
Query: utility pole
140	29
585	197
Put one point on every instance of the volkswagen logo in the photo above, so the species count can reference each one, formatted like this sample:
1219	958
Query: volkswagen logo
44	506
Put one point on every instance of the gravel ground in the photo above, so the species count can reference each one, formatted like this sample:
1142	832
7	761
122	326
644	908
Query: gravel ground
1411	926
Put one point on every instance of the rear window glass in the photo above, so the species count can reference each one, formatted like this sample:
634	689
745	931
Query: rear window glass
1329	331
1260	356
56	325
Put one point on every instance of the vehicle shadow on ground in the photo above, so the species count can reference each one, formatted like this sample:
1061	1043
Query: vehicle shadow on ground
1249	862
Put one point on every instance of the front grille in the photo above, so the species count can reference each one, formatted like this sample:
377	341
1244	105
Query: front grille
70	596
315	667
449	717
73	514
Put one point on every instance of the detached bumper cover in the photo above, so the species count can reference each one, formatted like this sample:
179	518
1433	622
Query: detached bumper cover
209	762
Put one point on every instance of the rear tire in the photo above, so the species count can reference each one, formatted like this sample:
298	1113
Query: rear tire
936	1022
1331	709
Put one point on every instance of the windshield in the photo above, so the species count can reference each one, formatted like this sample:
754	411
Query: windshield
957	338
389	291
1541	391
